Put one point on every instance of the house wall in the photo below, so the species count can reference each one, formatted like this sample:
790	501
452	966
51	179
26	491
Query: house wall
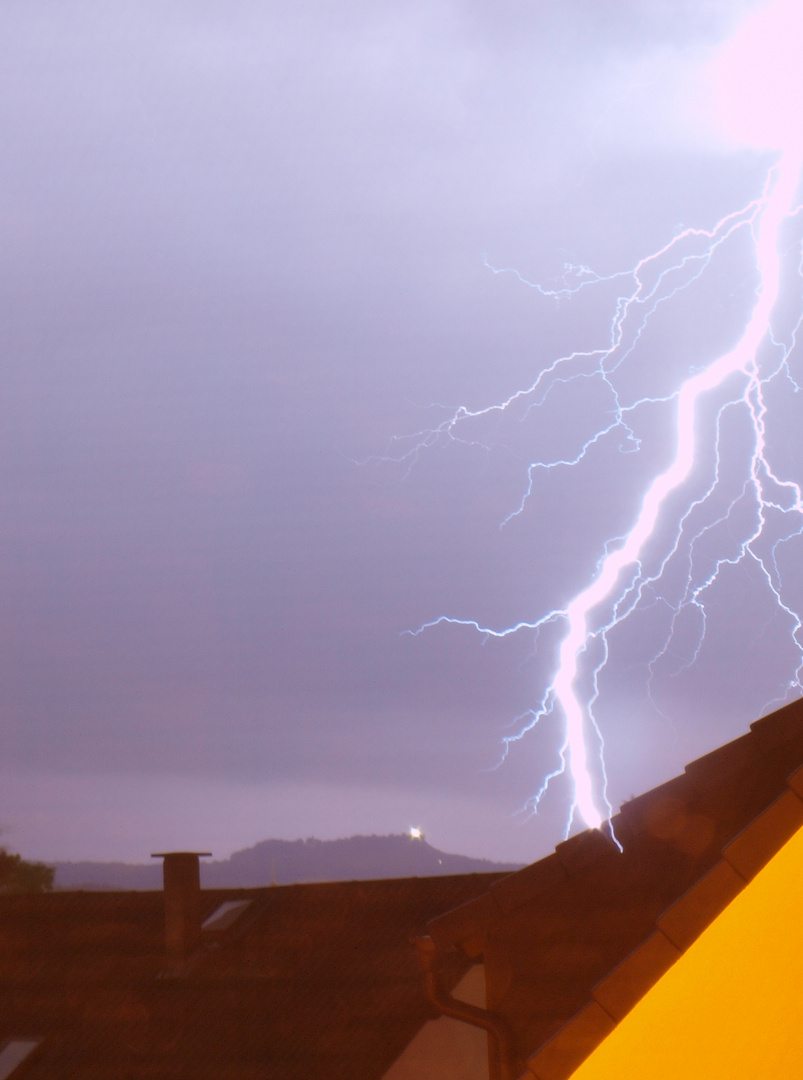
731	1006
446	1049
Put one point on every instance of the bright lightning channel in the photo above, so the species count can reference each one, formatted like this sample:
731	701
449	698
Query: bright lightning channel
619	570
621	580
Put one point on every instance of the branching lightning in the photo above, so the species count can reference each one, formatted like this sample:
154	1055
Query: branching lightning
667	530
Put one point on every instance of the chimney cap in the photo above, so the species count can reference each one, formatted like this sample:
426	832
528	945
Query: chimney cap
165	854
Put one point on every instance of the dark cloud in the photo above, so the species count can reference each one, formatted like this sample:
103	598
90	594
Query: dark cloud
243	248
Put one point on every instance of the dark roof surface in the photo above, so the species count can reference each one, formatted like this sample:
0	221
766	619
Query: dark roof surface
321	980
310	980
572	942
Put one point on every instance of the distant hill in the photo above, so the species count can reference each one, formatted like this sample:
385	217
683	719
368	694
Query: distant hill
287	862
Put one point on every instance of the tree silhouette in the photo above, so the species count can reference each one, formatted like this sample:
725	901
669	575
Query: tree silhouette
19	876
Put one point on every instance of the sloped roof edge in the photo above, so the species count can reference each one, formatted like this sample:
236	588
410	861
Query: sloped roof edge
692	843
676	930
463	925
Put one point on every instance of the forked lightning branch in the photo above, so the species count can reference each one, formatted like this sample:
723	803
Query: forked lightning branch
624	578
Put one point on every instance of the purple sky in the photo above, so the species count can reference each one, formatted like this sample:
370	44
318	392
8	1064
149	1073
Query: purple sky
244	246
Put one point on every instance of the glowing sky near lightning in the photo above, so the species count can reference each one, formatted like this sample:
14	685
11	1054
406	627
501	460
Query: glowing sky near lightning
244	249
755	83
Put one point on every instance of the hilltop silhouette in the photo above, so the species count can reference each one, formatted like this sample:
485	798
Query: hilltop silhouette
288	862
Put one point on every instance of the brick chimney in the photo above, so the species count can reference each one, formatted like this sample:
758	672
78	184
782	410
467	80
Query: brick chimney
182	893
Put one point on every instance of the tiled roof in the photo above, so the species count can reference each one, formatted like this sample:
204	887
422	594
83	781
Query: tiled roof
572	942
309	981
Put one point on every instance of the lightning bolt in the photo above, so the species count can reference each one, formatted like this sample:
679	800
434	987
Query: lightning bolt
621	572
669	527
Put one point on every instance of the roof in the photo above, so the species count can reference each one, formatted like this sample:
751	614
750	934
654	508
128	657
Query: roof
306	980
572	942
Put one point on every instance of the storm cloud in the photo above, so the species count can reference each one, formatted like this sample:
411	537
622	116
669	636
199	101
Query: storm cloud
246	248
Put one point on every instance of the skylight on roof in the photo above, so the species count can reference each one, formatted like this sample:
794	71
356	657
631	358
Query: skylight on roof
14	1053
224	916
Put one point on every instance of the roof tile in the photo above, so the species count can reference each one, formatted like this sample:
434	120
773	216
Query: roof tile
779	728
756	845
572	1044
686	919
795	782
728	760
584	849
462	925
516	889
631	980
634	812
311	980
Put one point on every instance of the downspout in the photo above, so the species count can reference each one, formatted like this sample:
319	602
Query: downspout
499	1039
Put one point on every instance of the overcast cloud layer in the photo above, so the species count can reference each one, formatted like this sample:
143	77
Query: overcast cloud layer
244	246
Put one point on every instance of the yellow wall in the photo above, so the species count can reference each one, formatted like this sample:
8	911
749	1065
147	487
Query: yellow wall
732	1006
